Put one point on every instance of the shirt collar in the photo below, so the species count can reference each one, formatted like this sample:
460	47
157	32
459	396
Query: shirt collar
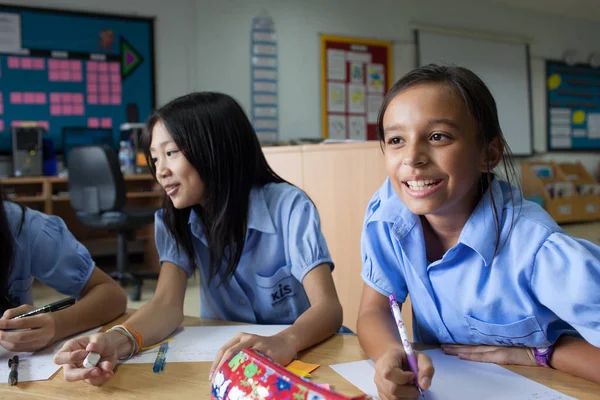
259	218
391	209
479	233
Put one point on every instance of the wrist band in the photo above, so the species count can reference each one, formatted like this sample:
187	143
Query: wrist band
134	344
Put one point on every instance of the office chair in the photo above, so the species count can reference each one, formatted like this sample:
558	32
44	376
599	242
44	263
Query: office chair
98	196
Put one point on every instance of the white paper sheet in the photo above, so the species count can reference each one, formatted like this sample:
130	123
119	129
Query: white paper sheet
201	343
336	65
456	379
34	366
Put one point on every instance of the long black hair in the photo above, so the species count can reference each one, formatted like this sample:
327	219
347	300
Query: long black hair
215	136
7	255
481	106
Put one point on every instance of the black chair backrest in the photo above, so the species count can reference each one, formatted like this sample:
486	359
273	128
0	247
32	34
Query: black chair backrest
96	183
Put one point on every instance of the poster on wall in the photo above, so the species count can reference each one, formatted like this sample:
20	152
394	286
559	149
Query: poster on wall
95	75
263	79
355	76
573	101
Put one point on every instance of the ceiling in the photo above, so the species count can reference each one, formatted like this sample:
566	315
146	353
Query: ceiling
581	9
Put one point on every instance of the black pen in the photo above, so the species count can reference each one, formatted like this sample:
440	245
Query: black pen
58	305
13	375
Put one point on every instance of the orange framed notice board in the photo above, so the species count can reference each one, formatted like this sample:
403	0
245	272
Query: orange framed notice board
355	76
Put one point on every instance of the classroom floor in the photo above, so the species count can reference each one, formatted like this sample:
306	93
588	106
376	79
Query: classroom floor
43	295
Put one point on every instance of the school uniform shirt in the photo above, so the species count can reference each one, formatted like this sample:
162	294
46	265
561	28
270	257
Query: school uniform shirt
541	284
284	242
45	249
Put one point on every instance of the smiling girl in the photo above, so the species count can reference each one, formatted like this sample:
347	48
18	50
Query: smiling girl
491	276
254	239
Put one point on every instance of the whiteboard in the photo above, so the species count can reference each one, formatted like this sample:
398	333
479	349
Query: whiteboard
503	66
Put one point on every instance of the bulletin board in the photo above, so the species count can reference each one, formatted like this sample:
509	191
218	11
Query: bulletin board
64	68
355	76
573	102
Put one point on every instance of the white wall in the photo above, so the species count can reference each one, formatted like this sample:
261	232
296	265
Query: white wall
204	45
223	47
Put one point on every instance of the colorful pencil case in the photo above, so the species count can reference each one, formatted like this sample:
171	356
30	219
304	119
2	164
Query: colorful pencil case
250	375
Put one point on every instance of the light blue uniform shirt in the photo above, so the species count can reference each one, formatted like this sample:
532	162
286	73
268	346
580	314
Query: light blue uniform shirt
283	243
542	283
45	250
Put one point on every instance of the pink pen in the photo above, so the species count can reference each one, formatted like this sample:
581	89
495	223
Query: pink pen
410	356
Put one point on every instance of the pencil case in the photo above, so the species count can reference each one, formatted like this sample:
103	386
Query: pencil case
250	375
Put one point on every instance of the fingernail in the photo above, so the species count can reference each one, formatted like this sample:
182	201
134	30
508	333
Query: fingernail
425	382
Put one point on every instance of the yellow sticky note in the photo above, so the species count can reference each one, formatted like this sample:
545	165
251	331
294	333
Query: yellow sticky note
301	366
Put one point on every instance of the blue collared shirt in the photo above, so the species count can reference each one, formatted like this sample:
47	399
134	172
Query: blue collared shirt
541	284
284	242
45	250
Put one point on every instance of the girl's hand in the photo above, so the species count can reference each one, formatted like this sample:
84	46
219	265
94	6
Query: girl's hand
28	334
393	377
493	354
278	347
72	354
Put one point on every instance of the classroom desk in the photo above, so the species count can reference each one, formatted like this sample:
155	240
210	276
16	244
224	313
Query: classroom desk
190	380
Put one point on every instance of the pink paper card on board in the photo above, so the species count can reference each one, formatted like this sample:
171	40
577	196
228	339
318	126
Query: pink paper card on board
115	89
53	76
13	62
66	97
103	78
93	123
78	109
75	65
92	77
64	64
55	109
115	100
40	98
92	66
54	97
102	67
92	99
26	63
104	88
53	64
28	98
65	76
38	63
115	67
44	124
105	99
1	125
106	123
16	98
77	76
77	98
67	109
115	79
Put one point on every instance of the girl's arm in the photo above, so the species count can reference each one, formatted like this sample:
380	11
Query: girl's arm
159	317
323	318
102	300
577	357
154	321
380	340
377	330
320	321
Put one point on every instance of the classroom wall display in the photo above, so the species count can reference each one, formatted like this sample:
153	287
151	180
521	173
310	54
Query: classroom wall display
573	103
263	79
63	68
355	76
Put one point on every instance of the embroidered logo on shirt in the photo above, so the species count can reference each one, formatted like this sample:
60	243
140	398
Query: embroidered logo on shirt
282	292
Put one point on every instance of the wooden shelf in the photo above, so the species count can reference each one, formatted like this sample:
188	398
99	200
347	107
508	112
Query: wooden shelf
130	195
140	195
27	199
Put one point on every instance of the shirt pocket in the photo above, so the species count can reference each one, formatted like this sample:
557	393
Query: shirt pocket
279	298
526	332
